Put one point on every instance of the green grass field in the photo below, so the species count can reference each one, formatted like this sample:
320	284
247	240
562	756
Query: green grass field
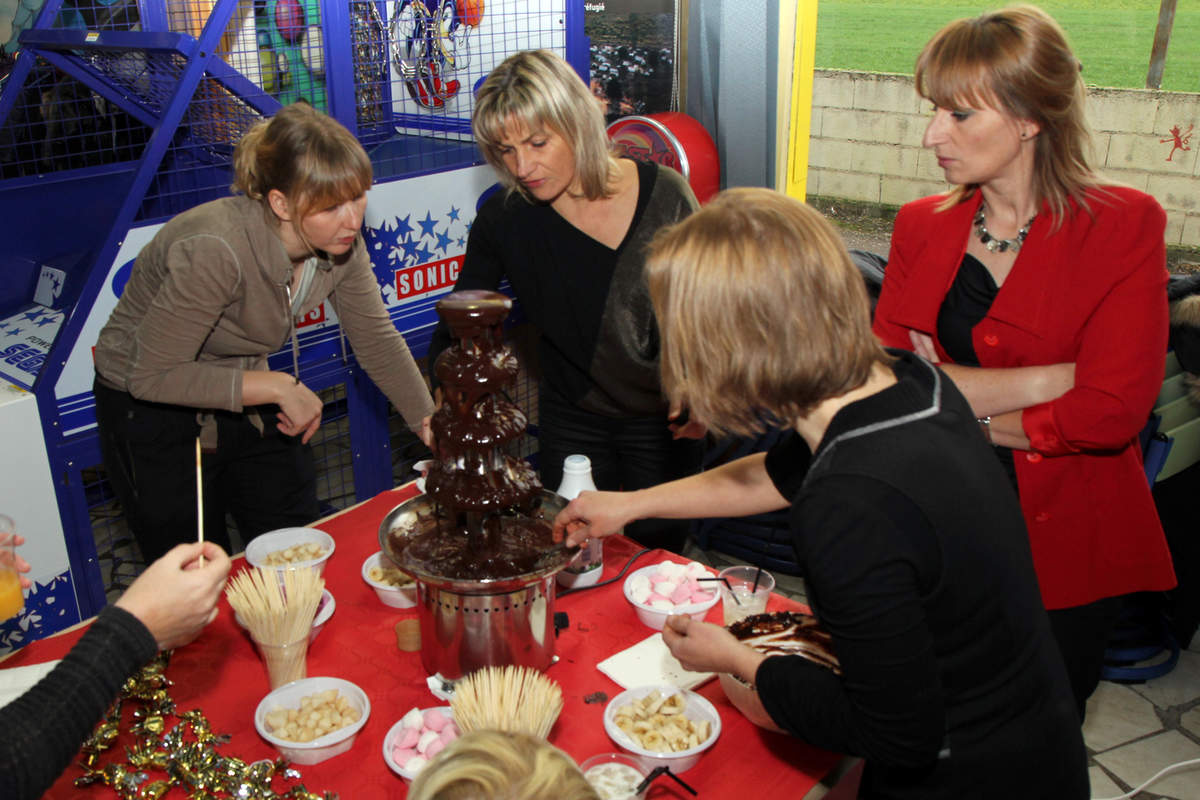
1111	37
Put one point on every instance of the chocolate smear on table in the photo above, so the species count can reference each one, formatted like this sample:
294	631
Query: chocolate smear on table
788	633
485	525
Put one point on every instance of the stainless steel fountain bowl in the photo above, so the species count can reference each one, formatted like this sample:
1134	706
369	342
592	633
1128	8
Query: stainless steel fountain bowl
469	624
419	514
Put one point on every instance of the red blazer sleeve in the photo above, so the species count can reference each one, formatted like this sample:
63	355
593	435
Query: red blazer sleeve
927	247
1123	341
900	263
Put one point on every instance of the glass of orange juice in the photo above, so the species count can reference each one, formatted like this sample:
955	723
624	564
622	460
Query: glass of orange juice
11	600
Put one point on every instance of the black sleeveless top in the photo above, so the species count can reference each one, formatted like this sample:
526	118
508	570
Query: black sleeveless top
967	302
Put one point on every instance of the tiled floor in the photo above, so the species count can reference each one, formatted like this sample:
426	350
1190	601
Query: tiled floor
1132	730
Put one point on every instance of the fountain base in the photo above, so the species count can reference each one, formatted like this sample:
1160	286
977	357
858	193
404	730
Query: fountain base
468	624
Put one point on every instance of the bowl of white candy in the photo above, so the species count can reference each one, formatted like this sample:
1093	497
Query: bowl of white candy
657	591
420	735
615	776
312	719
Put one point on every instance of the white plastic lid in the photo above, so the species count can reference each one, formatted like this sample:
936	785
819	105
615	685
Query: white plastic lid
577	464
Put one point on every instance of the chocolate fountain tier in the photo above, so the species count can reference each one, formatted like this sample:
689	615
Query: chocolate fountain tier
425	542
475	314
477	371
473	484
490	422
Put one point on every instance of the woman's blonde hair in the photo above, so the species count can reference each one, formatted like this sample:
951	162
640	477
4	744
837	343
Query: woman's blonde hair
537	89
490	765
762	313
1017	61
305	154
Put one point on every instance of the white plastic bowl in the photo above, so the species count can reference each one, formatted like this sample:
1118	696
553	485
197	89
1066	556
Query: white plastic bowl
624	759
390	739
655	618
393	596
324	611
263	545
696	708
331	744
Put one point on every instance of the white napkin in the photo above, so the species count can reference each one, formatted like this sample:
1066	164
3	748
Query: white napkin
15	681
648	663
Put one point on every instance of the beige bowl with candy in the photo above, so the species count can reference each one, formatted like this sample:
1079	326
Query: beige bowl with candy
312	719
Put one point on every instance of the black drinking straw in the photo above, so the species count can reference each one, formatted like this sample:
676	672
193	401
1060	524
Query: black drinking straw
757	576
725	581
654	773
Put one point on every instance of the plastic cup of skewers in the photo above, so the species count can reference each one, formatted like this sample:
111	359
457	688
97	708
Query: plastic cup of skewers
279	617
325	610
285	662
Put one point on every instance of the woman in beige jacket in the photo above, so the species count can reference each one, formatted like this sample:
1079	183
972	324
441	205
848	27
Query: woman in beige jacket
220	287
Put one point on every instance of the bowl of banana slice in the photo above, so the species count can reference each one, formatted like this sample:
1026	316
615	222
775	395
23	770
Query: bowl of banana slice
393	587
665	725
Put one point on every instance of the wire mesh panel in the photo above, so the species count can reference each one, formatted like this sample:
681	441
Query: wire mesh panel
333	453
440	51
413	67
58	123
372	91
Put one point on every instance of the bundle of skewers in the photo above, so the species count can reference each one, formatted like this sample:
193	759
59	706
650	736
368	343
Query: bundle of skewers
278	608
510	698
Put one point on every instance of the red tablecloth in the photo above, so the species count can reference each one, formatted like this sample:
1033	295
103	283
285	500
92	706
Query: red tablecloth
221	673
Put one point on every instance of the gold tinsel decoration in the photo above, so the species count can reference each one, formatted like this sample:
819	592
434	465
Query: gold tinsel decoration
175	753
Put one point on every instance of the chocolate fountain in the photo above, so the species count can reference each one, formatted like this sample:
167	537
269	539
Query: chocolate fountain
478	542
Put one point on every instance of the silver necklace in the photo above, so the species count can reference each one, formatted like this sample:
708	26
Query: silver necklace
993	244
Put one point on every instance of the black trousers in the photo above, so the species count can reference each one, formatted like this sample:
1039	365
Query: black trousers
1082	633
627	453
264	481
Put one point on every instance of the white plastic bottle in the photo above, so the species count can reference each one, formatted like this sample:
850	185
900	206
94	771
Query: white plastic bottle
586	570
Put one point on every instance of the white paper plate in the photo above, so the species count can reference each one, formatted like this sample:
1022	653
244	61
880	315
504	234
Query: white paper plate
650	663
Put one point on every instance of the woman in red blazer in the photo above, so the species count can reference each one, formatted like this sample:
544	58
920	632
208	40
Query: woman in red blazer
1041	290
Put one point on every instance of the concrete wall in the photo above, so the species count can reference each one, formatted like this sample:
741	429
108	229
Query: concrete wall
867	128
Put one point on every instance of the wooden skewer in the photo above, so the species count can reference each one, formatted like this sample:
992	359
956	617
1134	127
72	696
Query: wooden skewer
199	500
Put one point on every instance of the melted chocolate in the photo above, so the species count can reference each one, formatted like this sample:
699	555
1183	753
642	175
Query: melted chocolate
484	528
788	633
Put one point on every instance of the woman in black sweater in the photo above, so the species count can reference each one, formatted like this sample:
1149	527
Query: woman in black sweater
913	546
569	233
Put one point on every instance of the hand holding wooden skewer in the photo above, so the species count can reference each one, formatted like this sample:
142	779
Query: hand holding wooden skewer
199	500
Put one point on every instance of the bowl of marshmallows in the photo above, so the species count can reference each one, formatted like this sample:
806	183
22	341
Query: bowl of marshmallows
667	588
420	735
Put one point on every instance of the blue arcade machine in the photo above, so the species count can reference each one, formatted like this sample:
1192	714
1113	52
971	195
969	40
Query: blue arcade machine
116	115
